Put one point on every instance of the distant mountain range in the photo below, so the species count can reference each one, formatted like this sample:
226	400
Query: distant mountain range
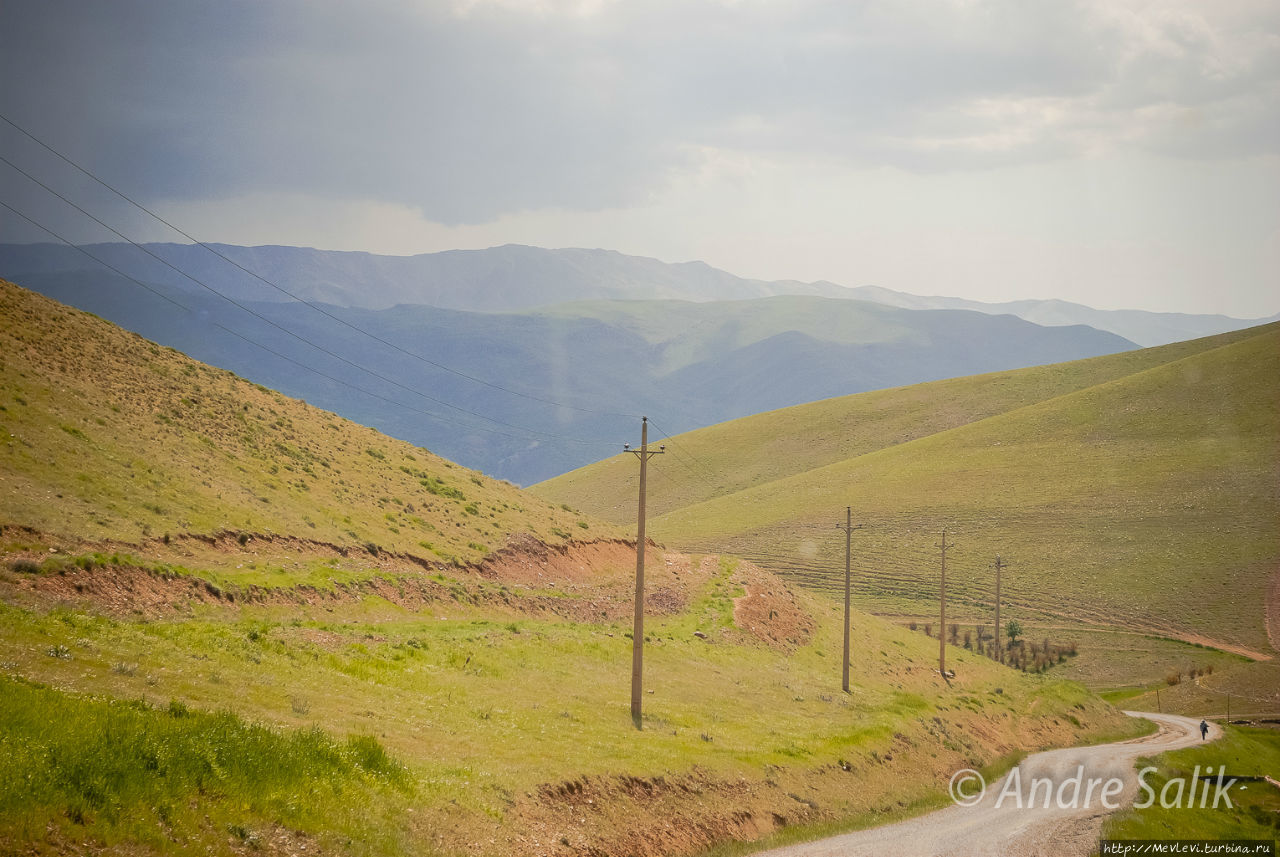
535	391
515	277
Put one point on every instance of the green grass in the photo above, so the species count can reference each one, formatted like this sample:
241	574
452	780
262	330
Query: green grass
76	768
1255	813
107	436
487	699
755	450
481	709
1137	490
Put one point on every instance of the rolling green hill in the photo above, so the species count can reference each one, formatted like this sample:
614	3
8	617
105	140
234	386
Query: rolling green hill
692	364
105	436
233	623
1136	490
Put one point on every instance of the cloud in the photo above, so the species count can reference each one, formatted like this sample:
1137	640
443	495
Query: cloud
471	110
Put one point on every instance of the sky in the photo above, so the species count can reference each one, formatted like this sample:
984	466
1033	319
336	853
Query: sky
1116	153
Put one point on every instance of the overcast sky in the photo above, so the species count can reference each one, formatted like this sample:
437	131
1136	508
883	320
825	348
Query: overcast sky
1116	153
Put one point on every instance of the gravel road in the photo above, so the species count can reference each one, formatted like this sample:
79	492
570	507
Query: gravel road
1032	829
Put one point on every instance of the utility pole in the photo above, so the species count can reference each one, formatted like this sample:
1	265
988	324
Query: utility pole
637	627
1000	564
848	528
942	598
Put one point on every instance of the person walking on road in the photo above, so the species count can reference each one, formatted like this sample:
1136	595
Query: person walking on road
1204	730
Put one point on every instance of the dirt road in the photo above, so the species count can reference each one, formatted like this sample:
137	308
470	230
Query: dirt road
1019	824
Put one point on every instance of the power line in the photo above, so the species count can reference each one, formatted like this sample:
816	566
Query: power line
251	341
295	297
693	462
273	324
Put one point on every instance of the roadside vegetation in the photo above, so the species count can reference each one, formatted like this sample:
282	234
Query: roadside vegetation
176	779
1245	754
231	622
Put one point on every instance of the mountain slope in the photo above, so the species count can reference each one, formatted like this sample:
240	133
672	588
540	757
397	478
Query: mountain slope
1139	489
102	432
223	630
764	447
685	364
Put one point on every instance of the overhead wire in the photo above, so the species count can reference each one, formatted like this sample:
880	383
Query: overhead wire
274	324
676	447
250	340
282	290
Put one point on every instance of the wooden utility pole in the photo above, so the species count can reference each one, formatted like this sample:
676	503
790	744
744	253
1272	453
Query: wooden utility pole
637	627
1000	564
848	550
942	599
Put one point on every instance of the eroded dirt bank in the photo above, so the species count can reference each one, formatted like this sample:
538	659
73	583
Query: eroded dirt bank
677	812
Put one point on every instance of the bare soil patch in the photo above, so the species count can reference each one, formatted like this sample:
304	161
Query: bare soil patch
769	610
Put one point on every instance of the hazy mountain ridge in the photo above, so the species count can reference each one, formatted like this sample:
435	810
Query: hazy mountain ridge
685	364
1140	326
517	277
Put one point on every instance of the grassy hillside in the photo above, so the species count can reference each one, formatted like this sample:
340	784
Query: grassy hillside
754	450
104	435
1138	490
221	631
696	364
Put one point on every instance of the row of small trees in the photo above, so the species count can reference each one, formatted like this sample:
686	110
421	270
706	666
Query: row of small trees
1016	652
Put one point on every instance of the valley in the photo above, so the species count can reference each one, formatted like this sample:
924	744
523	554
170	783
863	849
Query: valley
194	561
193	545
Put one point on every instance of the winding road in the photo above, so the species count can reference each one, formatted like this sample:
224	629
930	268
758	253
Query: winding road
1020	825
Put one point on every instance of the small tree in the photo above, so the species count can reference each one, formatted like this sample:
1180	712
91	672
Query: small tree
1013	631
955	634
928	629
968	640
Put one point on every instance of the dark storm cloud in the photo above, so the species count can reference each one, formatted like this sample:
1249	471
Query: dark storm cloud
469	112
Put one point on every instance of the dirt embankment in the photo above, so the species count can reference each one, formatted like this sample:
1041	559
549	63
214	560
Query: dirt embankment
769	610
687	813
581	581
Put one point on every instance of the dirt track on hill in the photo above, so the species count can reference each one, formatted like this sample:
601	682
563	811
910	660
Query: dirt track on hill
1020	831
